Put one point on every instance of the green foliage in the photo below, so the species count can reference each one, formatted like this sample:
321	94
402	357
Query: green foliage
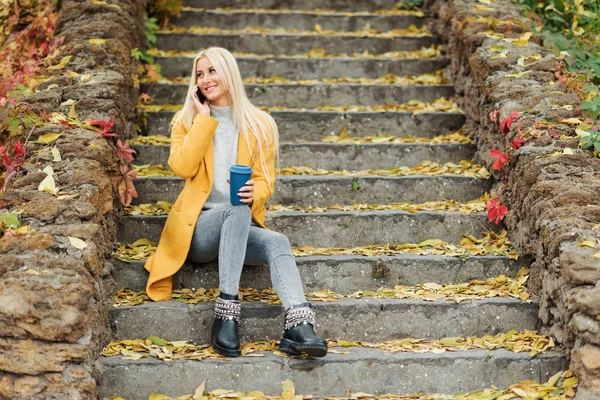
137	54
9	220
151	28
163	10
355	185
591	109
590	139
570	27
408	4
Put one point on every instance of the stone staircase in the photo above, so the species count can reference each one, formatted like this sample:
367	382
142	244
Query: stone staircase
302	128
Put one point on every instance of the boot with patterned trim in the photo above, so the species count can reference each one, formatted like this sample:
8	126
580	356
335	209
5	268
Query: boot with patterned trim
299	336
225	337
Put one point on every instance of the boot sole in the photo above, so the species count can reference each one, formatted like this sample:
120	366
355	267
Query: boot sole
296	349
227	352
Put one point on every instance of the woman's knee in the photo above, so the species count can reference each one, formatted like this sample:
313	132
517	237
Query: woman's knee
244	213
279	243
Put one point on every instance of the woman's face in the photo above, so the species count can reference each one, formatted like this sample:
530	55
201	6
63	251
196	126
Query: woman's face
210	83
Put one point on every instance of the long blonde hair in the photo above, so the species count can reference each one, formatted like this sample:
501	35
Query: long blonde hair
249	119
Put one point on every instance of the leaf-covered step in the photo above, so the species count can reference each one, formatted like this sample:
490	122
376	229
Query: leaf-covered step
290	43
162	349
310	68
304	20
351	319
342	156
315	95
341	228
321	191
343	5
363	370
314	124
562	384
495	287
337	273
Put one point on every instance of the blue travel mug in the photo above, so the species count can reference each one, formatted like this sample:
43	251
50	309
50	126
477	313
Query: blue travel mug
238	176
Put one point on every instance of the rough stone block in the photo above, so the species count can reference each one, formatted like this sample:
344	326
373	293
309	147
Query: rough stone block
75	382
34	357
585	363
53	305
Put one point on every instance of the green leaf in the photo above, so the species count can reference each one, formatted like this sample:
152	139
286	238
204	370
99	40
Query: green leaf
10	219
136	53
157	341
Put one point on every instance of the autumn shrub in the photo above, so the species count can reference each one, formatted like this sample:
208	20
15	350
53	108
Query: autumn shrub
27	47
571	28
408	4
164	10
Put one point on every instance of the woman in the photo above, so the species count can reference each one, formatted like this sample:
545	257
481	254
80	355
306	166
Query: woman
207	139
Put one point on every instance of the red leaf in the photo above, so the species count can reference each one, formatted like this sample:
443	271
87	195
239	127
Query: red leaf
19	151
153	74
104	124
145	97
494	116
514	115
517	143
126	188
501	159
6	161
124	151
496	211
505	125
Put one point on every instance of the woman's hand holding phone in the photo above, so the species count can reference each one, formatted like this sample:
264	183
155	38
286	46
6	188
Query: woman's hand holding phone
200	102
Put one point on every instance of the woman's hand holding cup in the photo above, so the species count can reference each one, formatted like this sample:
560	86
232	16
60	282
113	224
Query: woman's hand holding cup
247	193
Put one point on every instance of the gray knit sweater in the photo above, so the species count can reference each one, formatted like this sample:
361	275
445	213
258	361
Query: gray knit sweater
225	142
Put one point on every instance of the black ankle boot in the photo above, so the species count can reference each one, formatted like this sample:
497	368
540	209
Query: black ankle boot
299	333
225	338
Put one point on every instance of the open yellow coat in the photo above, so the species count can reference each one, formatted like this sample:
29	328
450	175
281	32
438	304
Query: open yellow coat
192	158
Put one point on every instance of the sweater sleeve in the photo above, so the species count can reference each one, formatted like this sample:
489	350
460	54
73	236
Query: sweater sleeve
263	190
188	148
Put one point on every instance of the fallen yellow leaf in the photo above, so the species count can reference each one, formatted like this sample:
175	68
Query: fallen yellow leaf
77	243
587	243
97	41
63	63
199	391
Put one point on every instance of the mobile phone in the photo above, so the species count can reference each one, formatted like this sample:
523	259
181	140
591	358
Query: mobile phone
201	97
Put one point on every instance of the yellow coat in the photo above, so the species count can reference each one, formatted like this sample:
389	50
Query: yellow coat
192	158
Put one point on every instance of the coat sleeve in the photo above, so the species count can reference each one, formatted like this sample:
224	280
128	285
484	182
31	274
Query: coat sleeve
263	190
188	148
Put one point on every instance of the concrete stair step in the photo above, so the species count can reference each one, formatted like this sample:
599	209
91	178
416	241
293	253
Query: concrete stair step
294	4
314	125
293	19
321	191
314	95
337	273
333	156
341	228
363	370
289	43
368	319
311	68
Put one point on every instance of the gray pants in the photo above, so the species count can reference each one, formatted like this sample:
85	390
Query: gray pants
226	233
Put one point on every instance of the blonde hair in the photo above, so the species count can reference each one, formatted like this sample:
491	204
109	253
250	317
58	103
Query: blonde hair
249	119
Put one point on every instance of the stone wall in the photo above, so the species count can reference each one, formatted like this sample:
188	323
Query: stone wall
54	298
553	201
